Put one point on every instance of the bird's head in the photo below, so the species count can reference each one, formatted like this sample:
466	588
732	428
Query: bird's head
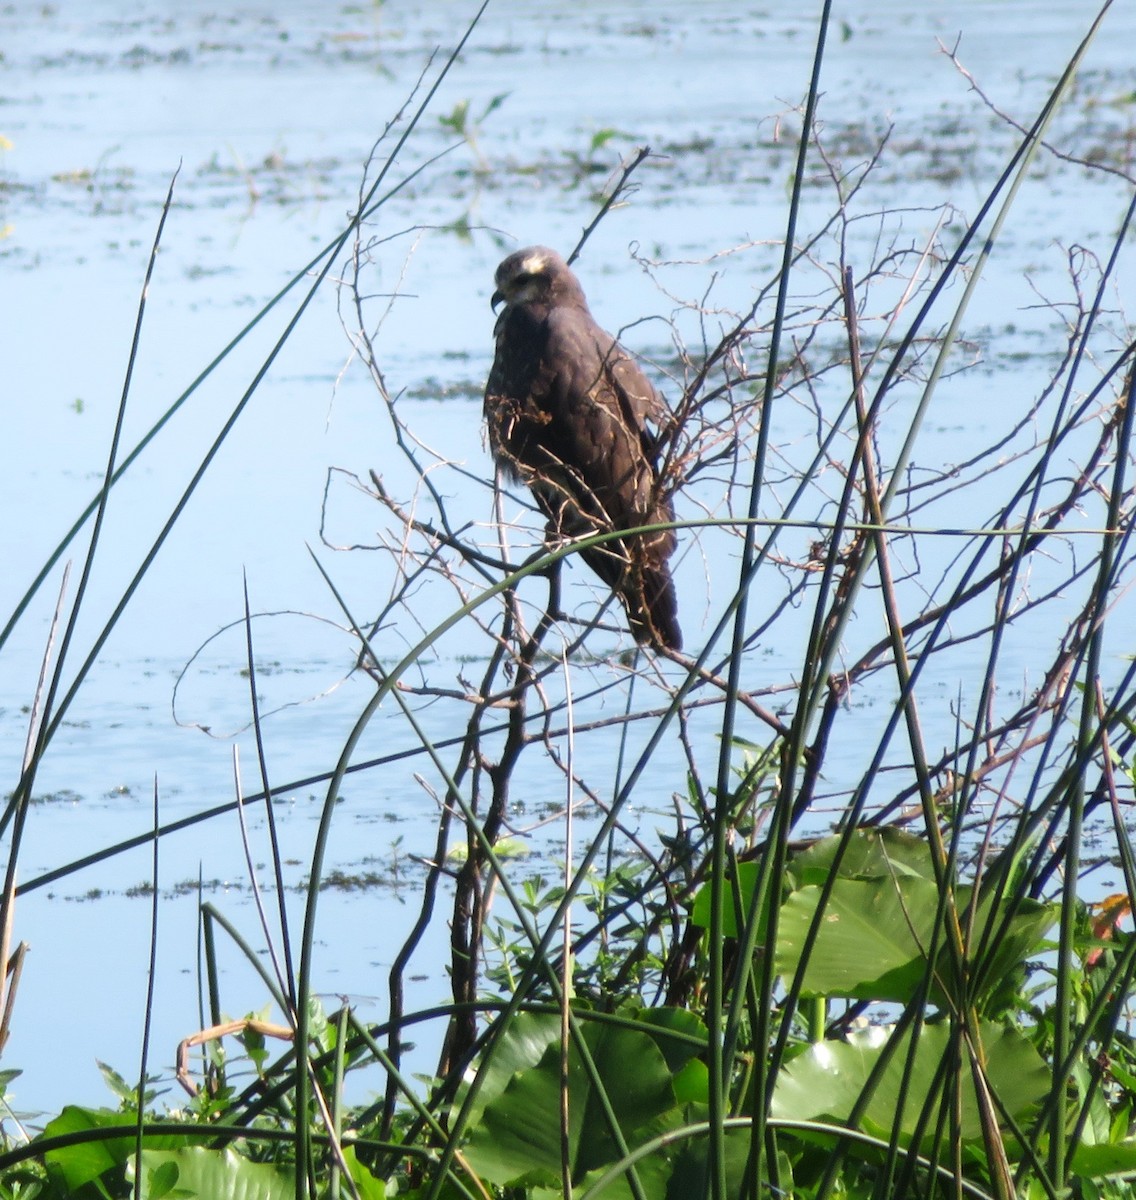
532	275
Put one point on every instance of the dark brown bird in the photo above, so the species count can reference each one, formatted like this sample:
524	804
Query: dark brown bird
567	411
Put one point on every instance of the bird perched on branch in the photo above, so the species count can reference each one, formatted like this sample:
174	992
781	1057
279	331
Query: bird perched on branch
567	411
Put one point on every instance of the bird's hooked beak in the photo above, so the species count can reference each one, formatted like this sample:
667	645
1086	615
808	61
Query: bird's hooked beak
498	298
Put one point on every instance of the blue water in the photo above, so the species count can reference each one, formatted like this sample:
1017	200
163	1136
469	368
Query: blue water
268	115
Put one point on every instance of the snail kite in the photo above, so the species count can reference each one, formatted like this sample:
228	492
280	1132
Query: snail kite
567	411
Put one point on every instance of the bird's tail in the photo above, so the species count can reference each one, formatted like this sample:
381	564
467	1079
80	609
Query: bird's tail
635	567
636	570
652	609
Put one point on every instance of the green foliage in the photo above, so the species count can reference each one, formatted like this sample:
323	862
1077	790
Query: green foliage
646	1075
468	128
827	1080
874	940
87	1168
588	162
195	1173
517	1139
126	1093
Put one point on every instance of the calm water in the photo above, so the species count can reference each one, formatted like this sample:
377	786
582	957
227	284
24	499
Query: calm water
268	116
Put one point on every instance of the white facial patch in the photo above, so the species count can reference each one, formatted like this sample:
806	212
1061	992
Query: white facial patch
534	264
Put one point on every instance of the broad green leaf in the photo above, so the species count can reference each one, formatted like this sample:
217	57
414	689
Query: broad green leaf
1096	1124
86	1161
677	1052
826	1080
215	1175
738	897
871	853
653	1173
872	940
865	947
161	1180
518	1138
692	1083
369	1186
1095	1161
689	1176
1017	939
886	853
530	1035
519	1048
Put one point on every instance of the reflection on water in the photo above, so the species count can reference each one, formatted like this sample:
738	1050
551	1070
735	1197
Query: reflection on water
267	118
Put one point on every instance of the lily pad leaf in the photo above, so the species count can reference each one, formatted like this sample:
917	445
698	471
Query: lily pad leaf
874	936
870	854
825	1082
216	1174
518	1139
